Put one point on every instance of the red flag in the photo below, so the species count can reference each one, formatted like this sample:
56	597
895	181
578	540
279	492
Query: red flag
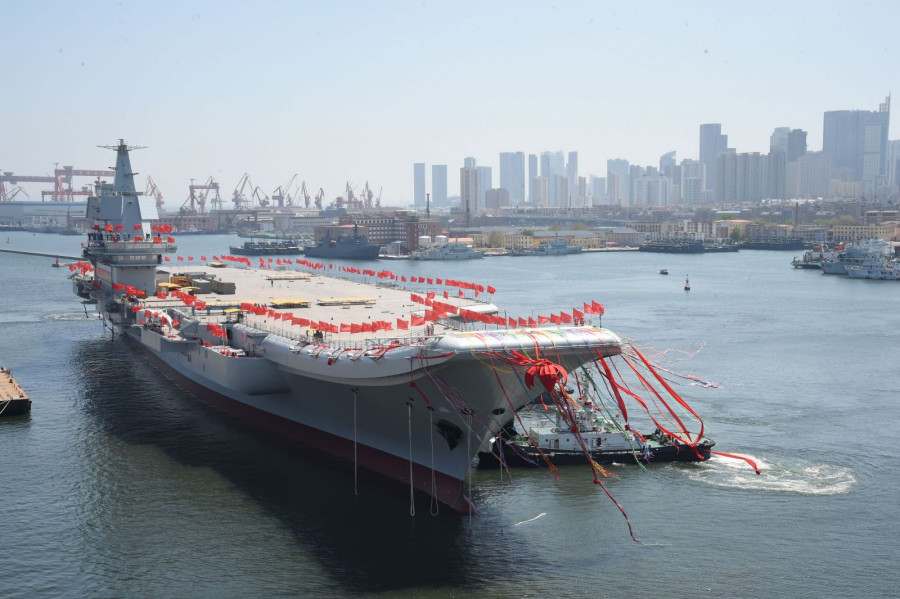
531	322
578	314
416	321
543	320
565	317
138	227
491	290
108	228
203	258
180	259
597	308
119	227
523	322
190	258
167	259
170	239
402	324
346	328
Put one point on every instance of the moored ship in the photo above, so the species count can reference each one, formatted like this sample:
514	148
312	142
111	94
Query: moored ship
280	247
347	247
452	250
415	404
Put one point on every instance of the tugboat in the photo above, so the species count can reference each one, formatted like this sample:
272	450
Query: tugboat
663	271
606	440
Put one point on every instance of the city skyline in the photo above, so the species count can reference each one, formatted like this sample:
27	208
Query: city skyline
222	89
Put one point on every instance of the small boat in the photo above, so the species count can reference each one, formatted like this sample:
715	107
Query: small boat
687	284
663	271
13	399
607	441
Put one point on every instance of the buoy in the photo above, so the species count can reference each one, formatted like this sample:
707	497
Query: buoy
687	283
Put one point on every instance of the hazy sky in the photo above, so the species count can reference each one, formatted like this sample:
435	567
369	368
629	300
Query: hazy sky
358	91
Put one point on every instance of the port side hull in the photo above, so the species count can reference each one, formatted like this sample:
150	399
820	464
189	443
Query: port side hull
433	415
447	489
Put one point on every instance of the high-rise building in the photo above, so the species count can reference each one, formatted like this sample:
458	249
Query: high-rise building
598	190
468	192
485	182
512	175
692	181
439	185
553	165
790	141
712	142
572	176
617	187
856	142
419	185
469	162
532	173
538	191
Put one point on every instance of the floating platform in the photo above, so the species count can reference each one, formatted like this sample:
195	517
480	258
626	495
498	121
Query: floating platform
13	399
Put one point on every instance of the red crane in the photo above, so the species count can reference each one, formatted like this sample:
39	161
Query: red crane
61	180
153	190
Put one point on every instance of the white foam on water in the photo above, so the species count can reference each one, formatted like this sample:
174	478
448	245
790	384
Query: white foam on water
69	316
799	477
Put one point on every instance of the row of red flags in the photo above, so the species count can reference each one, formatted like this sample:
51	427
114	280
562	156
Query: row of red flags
138	227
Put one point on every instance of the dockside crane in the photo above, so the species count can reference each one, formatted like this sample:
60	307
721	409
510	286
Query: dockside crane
319	197
238	197
282	194
305	194
153	190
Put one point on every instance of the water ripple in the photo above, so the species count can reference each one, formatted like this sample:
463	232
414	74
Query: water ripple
801	477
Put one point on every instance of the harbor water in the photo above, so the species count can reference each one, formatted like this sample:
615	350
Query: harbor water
121	484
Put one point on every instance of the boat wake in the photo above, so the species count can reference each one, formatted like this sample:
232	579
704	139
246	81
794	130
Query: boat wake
67	316
800	478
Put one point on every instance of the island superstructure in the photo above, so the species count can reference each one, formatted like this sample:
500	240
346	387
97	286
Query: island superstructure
416	404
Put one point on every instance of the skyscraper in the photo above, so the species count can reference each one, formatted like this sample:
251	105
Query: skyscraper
617	181
856	143
439	185
468	192
485	182
712	142
572	175
512	175
532	173
419	185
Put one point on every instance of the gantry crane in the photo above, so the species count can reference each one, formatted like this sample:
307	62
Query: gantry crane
199	199
61	180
